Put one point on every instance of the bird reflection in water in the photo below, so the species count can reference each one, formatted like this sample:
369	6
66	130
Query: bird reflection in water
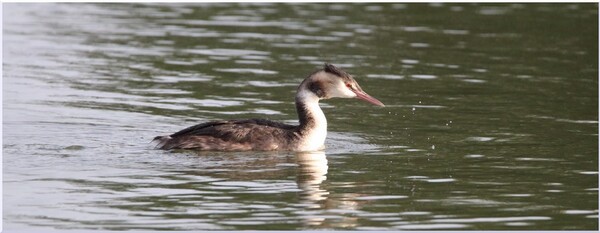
267	173
311	173
321	209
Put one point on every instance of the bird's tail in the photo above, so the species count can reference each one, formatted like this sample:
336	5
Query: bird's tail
162	140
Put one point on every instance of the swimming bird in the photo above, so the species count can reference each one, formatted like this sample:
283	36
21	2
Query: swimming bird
266	135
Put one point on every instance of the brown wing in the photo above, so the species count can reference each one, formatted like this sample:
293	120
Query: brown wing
236	135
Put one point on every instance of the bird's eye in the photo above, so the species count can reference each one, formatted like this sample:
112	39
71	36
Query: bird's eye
349	85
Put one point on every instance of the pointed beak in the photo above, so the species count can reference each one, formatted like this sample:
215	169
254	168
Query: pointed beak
366	97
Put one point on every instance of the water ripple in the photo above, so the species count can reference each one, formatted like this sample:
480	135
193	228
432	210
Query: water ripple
246	70
492	219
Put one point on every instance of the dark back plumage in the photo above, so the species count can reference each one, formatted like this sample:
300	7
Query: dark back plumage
248	134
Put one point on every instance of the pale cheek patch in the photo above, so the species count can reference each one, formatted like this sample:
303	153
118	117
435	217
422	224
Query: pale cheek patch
341	91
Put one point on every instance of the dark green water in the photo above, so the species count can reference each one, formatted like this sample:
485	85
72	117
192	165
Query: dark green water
491	120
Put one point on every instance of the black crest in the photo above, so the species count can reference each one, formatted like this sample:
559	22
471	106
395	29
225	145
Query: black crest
330	68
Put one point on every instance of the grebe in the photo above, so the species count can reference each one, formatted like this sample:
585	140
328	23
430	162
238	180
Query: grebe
266	135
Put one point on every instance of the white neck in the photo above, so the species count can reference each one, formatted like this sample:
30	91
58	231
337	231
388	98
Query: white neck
313	124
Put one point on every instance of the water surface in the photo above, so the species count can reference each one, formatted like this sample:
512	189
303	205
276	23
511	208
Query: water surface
491	117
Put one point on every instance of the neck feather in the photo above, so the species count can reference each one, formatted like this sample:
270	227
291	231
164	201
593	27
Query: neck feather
313	124
309	111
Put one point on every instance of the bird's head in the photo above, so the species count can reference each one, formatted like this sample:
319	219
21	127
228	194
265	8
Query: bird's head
333	82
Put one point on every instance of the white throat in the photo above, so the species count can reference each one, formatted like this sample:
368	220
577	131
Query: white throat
314	137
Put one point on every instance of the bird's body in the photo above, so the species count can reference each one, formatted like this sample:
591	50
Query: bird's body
266	135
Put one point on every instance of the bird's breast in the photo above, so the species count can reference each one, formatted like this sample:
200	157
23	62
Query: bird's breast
313	140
